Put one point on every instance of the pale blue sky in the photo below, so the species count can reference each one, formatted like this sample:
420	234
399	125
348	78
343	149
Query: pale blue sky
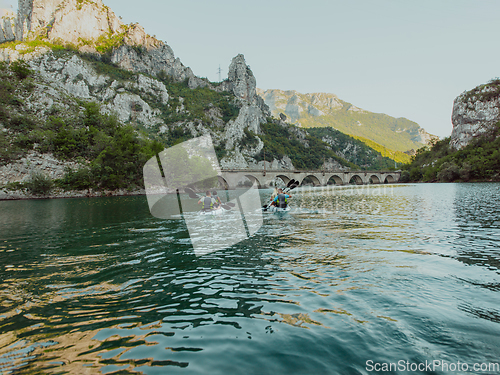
404	58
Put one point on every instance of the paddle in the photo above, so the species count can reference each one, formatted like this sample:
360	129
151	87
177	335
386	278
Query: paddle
191	193
292	184
296	183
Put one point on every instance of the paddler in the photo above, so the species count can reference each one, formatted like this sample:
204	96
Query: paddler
217	198
274	195
208	202
281	199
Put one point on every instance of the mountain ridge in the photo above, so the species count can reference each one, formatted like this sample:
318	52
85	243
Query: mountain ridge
319	109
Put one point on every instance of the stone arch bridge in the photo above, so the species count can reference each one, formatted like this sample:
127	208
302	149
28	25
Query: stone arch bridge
231	178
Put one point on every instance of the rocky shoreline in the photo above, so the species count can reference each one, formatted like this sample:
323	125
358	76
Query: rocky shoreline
6	194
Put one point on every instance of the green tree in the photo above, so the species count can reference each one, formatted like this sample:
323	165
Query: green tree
39	183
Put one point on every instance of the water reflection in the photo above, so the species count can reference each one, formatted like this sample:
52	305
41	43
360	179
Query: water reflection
478	225
356	274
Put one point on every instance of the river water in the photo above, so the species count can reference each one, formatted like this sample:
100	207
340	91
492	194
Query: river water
352	279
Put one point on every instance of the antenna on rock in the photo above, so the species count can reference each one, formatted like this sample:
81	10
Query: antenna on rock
219	71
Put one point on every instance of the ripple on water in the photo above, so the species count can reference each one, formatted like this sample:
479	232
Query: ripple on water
358	274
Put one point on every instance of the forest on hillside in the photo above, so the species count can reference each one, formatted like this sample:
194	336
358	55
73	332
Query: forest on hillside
478	161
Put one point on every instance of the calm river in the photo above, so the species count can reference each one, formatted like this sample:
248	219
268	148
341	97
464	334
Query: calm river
354	279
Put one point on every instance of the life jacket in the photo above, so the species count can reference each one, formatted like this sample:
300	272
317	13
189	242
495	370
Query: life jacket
282	202
207	203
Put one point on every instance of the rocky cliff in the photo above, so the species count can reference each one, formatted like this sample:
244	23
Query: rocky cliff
77	52
97	33
475	113
61	80
80	51
71	21
92	27
253	112
472	153
322	109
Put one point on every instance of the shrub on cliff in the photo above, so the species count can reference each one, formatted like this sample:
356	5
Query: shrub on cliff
39	183
448	172
405	177
415	174
79	179
430	174
196	102
465	172
21	69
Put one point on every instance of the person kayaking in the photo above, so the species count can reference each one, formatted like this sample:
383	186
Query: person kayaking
274	195
217	199
281	199
208	202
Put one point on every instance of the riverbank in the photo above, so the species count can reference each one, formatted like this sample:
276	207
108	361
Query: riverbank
22	194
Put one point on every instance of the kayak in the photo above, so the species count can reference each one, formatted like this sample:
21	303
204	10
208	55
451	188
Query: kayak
274	209
213	212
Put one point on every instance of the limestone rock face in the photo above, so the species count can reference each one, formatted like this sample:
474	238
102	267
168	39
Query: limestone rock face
424	137
253	112
250	117
59	85
7	32
145	54
84	21
67	20
20	170
241	82
21	51
238	161
88	23
77	78
241	79
153	60
474	113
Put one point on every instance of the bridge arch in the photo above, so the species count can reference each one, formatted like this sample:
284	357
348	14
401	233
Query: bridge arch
374	179
254	179
356	180
389	179
223	183
284	178
336	180
313	178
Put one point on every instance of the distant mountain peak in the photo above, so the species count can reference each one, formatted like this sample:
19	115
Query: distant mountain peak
326	109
